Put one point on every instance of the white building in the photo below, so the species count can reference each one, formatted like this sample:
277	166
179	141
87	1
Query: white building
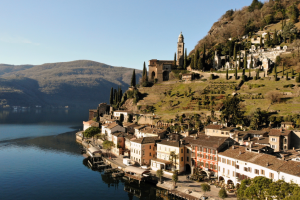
238	163
89	124
110	128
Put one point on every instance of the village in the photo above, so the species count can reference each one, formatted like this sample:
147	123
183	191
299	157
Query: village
217	152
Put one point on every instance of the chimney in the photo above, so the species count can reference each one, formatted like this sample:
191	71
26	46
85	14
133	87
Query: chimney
240	152
267	164
233	147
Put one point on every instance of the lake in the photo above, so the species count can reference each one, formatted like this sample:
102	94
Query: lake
40	159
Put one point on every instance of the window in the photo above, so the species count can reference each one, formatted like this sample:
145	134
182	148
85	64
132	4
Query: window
181	158
233	173
222	133
233	163
256	171
228	172
209	150
206	156
262	172
215	167
150	147
219	168
211	166
271	175
149	154
211	157
273	146
245	169
224	170
228	162
215	158
237	166
181	150
187	150
249	169
273	139
214	152
223	160
219	159
187	159
206	165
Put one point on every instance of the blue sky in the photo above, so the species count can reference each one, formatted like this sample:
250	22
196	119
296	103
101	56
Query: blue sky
116	32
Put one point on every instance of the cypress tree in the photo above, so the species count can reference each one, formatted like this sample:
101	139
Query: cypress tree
287	76
115	97
111	97
275	39
251	62
120	94
144	68
192	62
243	72
204	57
260	42
234	52
240	63
133	81
282	69
200	64
227	74
175	60
196	57
249	72
245	60
185	59
275	72
236	72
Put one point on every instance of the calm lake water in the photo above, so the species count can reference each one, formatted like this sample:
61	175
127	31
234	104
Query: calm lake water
40	159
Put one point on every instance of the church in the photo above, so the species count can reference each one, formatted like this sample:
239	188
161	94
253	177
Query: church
159	70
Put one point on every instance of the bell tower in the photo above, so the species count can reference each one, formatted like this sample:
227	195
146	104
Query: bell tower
180	50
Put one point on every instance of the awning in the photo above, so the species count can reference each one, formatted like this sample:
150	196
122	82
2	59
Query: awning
136	170
94	150
161	161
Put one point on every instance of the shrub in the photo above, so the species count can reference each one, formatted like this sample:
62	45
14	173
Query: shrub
255	78
155	80
223	193
297	79
205	187
90	132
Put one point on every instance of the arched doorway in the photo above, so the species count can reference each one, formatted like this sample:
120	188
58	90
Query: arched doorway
187	168
165	76
153	75
229	182
221	178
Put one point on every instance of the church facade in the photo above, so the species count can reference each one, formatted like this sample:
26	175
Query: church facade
160	70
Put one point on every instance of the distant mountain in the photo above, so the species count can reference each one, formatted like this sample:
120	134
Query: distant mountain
75	83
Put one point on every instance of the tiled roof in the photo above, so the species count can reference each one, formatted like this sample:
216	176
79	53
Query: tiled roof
287	123
129	136
146	140
261	140
112	125
278	132
212	126
128	124
206	141
119	134
172	143
152	130
291	167
265	160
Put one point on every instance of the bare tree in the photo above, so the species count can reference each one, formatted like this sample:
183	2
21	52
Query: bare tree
273	96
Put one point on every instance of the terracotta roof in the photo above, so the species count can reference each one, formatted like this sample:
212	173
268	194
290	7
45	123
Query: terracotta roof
112	125
265	160
278	132
128	124
206	141
119	134
150	130
140	127
91	122
261	140
129	136
145	140
288	123
291	167
212	126
172	143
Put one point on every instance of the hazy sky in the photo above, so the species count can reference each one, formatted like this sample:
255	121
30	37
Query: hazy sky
116	32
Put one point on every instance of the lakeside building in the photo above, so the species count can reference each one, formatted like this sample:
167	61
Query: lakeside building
164	158
89	124
238	163
110	128
142	150
150	131
280	139
205	152
218	130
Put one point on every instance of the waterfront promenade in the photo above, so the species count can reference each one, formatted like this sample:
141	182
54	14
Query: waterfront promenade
183	185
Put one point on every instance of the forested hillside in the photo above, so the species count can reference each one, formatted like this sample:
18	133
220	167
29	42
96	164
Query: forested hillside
76	83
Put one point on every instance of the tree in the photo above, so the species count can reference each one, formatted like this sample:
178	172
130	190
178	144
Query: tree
251	62
174	60
204	57
298	78
200	64
223	193
111	97
249	72
232	112
133	79
240	63
175	177
130	118
235	73
275	69
196	57
273	96
255	5
296	45
234	52
289	30
91	131
185	59
192	62
159	174
260	41
293	13
108	145
205	187
173	157
121	118
227	74
287	76
245	60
